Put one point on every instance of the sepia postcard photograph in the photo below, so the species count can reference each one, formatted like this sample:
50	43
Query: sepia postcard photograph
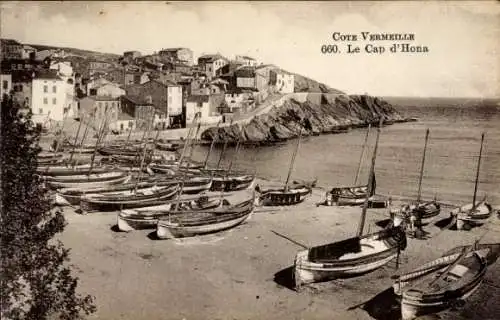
241	160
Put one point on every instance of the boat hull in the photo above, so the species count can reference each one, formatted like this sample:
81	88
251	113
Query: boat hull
88	184
282	198
164	231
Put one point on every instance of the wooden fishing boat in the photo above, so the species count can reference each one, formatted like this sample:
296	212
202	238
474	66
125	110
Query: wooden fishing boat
147	217
125	199
440	283
86	181
191	223
353	256
122	151
466	215
233	182
424	211
352	195
168	146
49	155
173	166
474	214
83	150
350	257
348	196
283	197
73	196
63	170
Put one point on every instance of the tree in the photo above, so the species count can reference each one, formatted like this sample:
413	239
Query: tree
36	279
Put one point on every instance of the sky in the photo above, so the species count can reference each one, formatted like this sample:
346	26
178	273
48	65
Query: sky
462	38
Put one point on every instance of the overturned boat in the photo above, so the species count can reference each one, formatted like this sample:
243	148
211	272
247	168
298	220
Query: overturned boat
197	222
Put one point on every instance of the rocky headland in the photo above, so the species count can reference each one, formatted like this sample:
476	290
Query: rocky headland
313	113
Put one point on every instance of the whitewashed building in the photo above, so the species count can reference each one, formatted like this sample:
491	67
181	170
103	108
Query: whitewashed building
283	81
49	97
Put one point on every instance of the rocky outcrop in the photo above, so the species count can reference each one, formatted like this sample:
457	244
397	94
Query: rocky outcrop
313	113
304	84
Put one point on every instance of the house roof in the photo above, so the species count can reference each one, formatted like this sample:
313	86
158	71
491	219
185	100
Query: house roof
103	98
50	74
138	101
211	57
247	58
173	49
9	42
124	116
198	98
245	72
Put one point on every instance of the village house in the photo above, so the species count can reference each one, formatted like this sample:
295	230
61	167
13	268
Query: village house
43	54
165	97
136	77
212	64
239	101
5	84
21	87
21	65
28	52
100	108
283	81
183	55
48	97
99	66
263	76
245	78
206	107
64	70
11	49
130	56
142	111
246	61
102	87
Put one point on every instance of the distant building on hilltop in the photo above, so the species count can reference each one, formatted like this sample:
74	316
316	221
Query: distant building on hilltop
28	52
246	60
131	55
183	55
212	64
11	49
283	81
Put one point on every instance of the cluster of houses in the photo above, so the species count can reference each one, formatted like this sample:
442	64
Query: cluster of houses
167	87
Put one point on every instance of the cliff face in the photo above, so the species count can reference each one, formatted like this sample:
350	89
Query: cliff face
314	113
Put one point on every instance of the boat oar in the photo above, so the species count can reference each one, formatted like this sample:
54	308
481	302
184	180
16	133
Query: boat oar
289	239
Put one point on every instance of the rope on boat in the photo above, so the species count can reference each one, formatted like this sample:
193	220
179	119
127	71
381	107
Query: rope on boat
290	239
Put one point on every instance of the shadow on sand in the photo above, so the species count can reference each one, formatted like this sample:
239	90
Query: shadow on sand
152	236
384	306
446	223
115	228
285	278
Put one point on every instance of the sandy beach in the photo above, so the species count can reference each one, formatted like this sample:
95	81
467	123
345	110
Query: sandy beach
244	273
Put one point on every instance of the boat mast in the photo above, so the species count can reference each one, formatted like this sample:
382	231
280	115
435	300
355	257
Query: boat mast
362	156
293	160
370	183
477	172
211	147
83	139
144	151
99	135
236	150
422	167
75	142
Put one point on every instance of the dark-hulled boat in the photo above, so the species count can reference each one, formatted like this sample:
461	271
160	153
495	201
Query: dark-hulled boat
283	197
349	196
197	222
232	182
128	198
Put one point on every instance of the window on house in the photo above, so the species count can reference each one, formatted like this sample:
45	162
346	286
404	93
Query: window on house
54	89
45	101
5	84
130	124
20	88
40	111
54	101
45	89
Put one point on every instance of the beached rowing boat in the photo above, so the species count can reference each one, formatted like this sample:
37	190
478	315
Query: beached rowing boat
350	257
348	196
147	217
126	199
232	182
283	196
472	216
86	181
439	284
67	170
191	223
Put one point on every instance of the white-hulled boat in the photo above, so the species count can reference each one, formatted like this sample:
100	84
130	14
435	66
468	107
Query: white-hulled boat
439	284
87	181
147	217
466	215
354	256
191	223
